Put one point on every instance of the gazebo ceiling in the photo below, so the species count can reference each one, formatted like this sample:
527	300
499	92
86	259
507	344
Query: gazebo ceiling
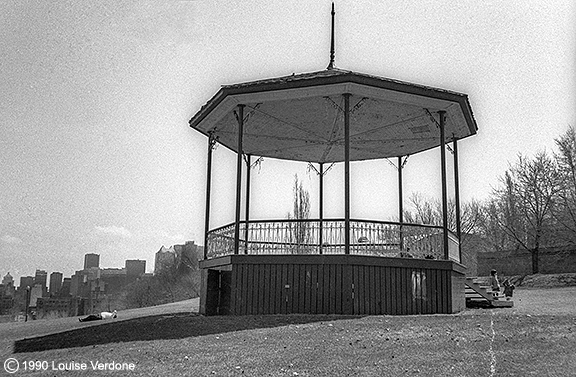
301	117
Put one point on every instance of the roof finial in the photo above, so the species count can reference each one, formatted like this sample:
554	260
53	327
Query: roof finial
331	64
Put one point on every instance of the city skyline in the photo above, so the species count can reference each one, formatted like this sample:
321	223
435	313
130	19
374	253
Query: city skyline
98	156
64	275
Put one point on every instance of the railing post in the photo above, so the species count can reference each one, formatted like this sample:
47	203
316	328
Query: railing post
442	115
400	202
347	173
238	178
321	207
211	143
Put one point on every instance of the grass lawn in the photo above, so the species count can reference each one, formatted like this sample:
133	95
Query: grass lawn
535	338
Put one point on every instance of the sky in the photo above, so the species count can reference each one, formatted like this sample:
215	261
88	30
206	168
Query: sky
95	97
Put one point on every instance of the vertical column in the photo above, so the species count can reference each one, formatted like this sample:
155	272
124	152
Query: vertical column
248	162
347	173
444	190
211	142
457	198
27	303
321	207
238	178
400	202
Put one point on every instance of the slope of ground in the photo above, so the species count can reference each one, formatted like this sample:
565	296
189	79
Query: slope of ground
536	337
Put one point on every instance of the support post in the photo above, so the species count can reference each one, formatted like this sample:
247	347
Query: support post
321	208
248	162
444	190
211	142
238	178
347	173
400	202
457	199
27	303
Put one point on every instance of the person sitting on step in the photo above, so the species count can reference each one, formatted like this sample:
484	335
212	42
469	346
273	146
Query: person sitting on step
495	284
508	289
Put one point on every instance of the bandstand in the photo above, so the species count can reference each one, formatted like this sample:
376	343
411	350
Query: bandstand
326	265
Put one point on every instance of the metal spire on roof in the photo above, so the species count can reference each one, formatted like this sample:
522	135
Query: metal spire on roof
331	64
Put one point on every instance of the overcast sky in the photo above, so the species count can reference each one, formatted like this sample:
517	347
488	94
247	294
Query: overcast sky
95	98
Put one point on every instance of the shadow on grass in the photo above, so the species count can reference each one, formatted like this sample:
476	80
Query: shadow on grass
173	326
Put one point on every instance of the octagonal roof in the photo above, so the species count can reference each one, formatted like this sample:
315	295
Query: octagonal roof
300	117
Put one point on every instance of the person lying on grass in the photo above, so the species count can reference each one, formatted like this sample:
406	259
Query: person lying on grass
96	317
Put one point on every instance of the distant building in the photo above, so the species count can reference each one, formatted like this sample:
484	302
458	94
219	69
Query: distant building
55	283
6	303
91	261
114	279
36	293
75	284
59	307
8	285
80	283
8	280
135	267
65	290
26	281
41	279
182	257
188	255
164	258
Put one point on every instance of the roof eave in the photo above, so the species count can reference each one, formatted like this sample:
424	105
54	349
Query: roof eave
309	80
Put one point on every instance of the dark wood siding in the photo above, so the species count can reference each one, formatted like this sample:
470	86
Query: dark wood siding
331	284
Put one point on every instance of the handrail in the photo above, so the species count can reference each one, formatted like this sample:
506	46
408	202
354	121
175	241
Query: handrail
332	219
302	236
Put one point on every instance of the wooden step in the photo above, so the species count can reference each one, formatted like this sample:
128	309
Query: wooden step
481	296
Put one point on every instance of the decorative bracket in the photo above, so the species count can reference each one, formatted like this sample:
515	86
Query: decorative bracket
212	139
311	167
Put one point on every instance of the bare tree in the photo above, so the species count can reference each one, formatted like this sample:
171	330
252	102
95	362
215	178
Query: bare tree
565	212
428	211
300	231
524	204
490	227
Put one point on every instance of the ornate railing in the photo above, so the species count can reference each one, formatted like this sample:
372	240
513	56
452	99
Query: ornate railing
381	238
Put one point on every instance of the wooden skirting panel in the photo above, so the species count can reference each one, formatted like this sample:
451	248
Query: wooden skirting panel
330	284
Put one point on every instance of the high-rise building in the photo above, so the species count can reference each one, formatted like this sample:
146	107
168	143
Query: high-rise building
65	290
135	268
55	283
41	278
91	260
76	282
26	281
